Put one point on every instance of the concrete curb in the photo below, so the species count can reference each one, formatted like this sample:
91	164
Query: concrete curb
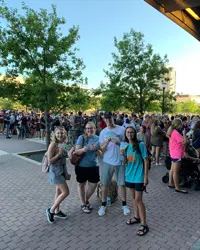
27	159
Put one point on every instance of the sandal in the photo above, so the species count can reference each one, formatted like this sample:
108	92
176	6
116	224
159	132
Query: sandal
144	229
133	220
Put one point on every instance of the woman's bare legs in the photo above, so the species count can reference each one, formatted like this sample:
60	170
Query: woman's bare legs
64	193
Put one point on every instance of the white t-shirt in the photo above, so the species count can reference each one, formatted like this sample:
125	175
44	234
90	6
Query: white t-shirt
112	153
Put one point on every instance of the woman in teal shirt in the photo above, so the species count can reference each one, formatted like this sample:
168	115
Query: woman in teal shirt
136	177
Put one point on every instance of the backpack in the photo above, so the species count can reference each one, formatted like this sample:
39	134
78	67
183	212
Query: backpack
112	191
44	164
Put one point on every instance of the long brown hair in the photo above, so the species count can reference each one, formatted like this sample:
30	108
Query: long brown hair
154	126
135	140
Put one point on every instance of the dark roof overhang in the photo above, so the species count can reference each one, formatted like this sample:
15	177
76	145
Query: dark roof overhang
185	13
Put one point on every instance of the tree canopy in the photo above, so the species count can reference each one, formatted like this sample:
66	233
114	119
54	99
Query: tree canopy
33	46
135	74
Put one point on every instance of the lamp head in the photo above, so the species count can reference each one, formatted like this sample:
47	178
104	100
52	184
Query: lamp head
164	85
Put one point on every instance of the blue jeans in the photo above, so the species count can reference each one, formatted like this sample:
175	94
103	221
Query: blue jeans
22	132
7	129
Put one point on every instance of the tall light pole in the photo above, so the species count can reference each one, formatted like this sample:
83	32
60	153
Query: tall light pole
164	85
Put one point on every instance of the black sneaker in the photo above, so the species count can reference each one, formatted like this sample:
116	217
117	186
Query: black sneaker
9	137
61	215
50	216
85	209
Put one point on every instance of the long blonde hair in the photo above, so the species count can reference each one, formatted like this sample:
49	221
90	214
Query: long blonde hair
54	139
154	126
175	124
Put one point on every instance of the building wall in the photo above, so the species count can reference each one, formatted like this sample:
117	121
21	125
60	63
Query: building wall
184	98
171	84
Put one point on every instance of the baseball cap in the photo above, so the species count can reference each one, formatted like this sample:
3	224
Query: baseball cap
108	114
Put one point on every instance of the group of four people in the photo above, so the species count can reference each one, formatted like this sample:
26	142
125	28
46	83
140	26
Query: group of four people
130	166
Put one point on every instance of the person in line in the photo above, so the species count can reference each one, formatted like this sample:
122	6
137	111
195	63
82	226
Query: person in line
157	137
136	157
7	124
110	138
196	136
147	123
102	123
177	139
141	136
127	123
87	170
42	126
57	174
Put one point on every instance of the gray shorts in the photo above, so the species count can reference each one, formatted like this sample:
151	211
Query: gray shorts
107	171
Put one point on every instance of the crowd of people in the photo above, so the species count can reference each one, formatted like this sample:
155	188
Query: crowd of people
121	143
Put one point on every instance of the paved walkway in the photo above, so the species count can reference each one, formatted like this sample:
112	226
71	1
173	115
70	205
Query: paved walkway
174	219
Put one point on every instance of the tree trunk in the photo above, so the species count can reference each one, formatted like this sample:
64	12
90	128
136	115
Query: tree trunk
141	104
48	132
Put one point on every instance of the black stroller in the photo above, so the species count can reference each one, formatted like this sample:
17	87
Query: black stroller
189	174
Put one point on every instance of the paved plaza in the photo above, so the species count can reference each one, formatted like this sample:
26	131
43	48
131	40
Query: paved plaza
174	219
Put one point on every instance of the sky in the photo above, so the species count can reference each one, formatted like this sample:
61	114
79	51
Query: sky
100	21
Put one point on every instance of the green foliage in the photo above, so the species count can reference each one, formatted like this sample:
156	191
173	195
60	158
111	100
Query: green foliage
187	107
8	104
77	99
135	73
9	88
154	107
33	46
169	102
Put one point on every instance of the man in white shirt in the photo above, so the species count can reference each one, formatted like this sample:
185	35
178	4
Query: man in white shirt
110	138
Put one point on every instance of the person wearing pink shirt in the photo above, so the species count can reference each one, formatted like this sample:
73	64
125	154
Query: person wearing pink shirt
177	139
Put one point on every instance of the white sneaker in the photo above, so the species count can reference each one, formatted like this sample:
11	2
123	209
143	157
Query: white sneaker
102	211
126	210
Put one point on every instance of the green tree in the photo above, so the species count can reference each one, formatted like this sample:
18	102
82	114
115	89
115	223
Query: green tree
33	46
190	107
154	107
9	88
169	102
187	107
77	99
8	104
136	72
109	94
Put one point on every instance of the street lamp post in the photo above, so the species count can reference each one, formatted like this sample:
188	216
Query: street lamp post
164	85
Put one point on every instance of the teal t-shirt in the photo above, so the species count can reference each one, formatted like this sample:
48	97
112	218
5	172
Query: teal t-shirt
135	169
90	157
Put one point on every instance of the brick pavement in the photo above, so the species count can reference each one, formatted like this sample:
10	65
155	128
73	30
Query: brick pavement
174	219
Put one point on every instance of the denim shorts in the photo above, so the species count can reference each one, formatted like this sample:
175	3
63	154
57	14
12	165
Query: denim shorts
56	175
176	160
107	171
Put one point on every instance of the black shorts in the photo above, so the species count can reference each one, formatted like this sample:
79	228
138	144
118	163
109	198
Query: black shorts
139	187
84	174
